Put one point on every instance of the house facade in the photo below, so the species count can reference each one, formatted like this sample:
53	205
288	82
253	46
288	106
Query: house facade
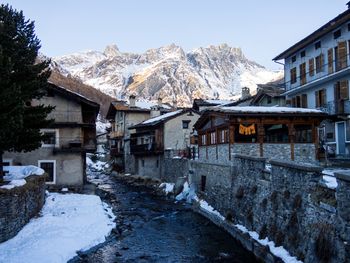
317	74
271	132
73	134
123	115
165	134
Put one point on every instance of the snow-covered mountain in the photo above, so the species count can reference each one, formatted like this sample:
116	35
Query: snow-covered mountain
214	72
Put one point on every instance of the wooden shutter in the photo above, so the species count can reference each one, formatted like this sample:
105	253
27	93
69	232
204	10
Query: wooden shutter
342	60
304	101
317	99
302	68
344	90
311	67
330	60
324	98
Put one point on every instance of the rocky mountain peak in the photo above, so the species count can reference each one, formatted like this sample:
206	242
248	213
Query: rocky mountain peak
111	50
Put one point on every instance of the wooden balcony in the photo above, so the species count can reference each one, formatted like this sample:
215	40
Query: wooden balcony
144	149
116	134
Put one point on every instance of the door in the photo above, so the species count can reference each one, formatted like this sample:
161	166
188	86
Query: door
340	137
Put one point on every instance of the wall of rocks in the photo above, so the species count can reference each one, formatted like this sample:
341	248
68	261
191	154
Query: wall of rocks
288	204
19	205
174	169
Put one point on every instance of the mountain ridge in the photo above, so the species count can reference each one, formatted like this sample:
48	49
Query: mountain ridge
213	72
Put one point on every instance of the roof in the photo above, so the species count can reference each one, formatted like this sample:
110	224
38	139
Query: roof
73	95
259	111
162	118
140	107
271	90
323	30
201	102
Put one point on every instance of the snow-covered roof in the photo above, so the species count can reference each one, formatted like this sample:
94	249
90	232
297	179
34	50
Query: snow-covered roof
149	104
161	117
218	102
263	109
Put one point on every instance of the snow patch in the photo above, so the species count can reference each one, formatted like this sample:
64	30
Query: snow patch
68	223
14	183
188	193
208	208
167	187
330	181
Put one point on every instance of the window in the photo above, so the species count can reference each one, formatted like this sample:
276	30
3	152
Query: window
319	63
293	75
302	54
203	182
143	163
276	133
318	45
294	58
298	102
269	100
213	138
337	34
51	138
157	164
7	162
311	67
185	124
49	166
245	133
304	100
203	139
223	136
303	133
320	98
330	60
302	69
340	56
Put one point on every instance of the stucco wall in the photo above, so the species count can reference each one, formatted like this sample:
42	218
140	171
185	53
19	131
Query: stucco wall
150	166
69	166
175	137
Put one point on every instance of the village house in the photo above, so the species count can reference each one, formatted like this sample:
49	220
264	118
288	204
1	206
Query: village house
269	94
271	132
123	115
73	134
317	75
168	134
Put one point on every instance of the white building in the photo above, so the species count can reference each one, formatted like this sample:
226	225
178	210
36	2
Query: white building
317	74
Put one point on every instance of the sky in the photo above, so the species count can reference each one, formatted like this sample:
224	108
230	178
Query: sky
263	29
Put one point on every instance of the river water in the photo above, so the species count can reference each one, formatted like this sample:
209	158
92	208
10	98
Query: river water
155	229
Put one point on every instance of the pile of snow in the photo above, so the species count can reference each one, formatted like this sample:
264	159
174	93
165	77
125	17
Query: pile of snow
208	208
96	166
14	183
330	181
188	194
167	187
68	223
277	251
16	175
263	109
21	172
162	117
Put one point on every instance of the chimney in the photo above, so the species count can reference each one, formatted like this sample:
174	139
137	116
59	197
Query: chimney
155	111
348	4
175	104
159	101
245	93
132	101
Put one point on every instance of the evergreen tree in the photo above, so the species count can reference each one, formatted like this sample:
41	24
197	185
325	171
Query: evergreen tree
22	83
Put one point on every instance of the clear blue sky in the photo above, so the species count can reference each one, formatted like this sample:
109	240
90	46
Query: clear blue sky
263	29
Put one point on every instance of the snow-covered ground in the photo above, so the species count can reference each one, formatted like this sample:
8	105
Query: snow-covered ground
328	177
68	223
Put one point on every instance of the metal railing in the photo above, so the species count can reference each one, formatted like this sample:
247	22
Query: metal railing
336	107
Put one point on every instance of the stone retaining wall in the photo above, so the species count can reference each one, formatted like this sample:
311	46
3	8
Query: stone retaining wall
19	205
287	204
174	169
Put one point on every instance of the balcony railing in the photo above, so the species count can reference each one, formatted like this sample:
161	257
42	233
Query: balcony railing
116	152
145	148
336	107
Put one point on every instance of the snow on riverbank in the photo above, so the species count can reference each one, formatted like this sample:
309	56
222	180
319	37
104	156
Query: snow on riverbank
167	187
68	223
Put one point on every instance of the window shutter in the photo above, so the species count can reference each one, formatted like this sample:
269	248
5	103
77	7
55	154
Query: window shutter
302	69
317	99
330	60
324	97
344	90
304	101
311	67
342	61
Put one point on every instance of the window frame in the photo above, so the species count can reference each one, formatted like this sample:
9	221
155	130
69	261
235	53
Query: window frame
54	169
57	143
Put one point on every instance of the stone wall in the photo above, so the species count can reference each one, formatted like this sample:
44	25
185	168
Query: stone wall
277	150
252	149
288	204
19	205
174	169
149	166
305	152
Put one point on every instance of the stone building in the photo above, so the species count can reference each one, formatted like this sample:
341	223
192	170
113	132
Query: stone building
63	154
278	132
167	134
123	115
317	75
